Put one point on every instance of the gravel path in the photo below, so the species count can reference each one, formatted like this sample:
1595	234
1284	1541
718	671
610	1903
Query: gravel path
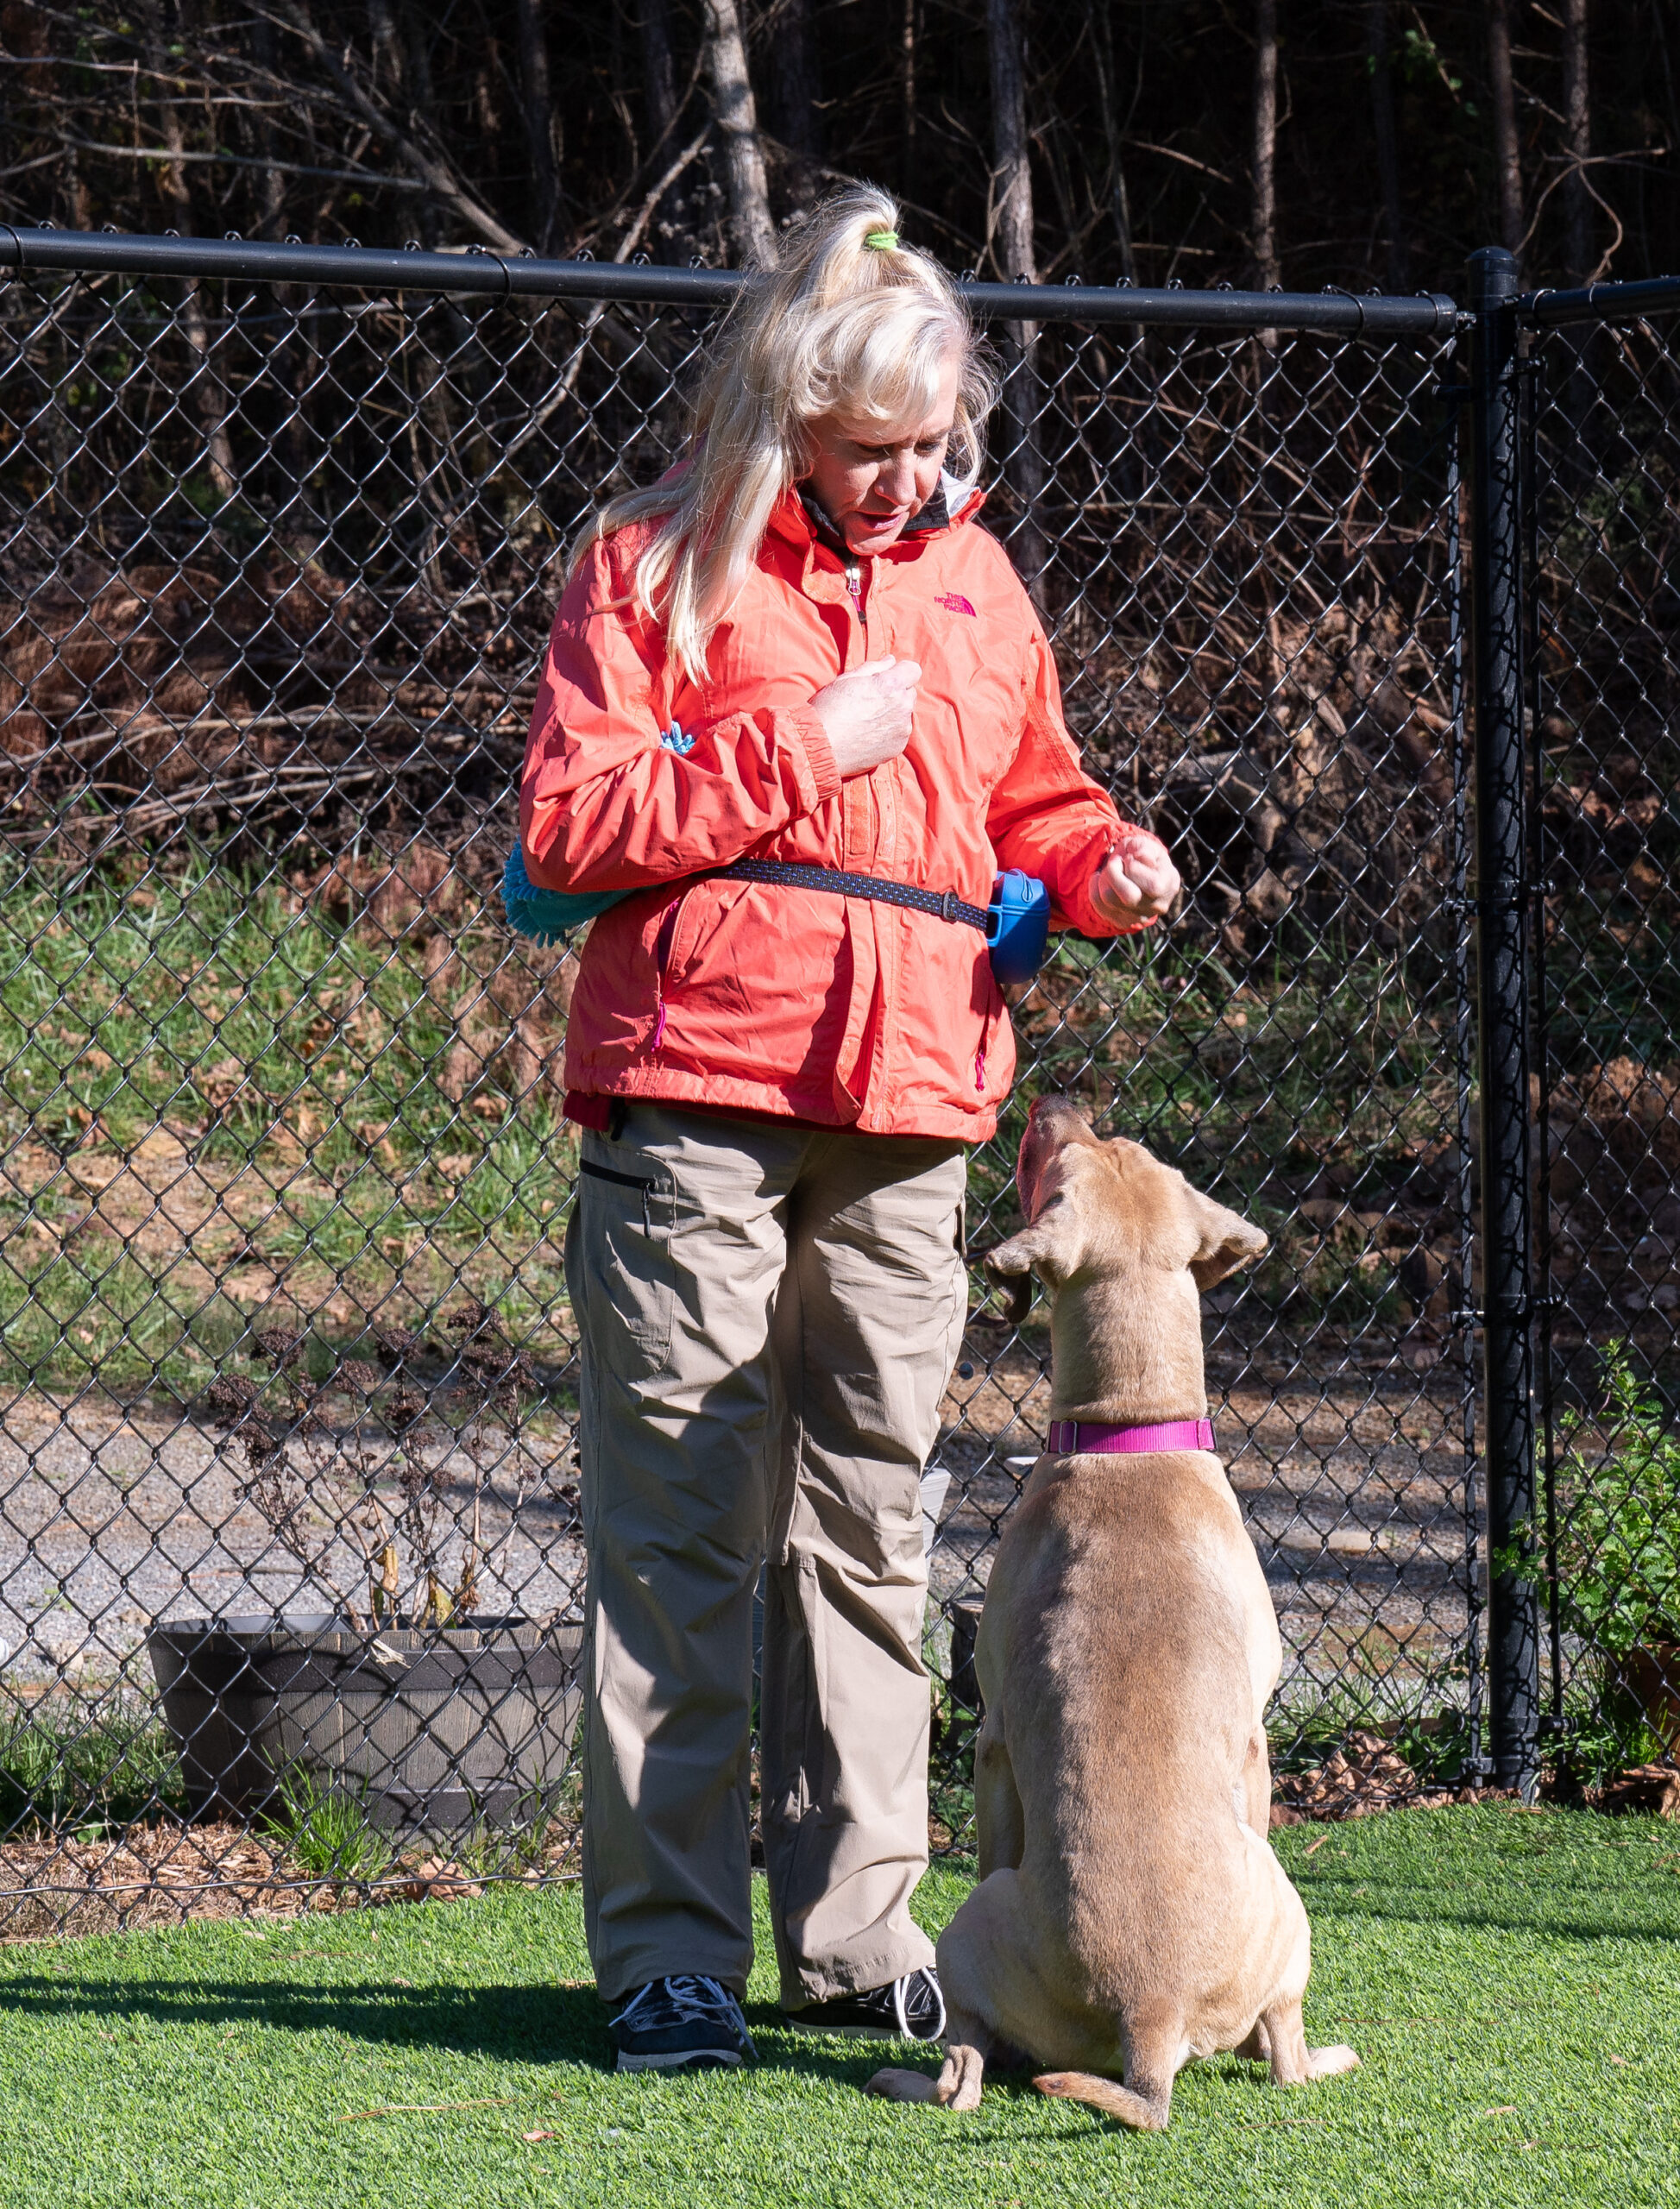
1353	1488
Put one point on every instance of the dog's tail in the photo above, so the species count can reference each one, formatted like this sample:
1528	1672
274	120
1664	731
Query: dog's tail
1142	2112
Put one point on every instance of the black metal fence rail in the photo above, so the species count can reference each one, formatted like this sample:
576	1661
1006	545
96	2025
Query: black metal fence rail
478	271
289	1576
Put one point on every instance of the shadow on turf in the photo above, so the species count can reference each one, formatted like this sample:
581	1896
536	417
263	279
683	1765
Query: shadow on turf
556	2025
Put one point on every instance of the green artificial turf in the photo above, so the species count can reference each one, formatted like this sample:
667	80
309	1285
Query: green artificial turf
1512	1982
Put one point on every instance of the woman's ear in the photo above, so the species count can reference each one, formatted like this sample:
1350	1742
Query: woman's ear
1226	1242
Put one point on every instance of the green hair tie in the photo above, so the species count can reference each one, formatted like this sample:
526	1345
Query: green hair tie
882	241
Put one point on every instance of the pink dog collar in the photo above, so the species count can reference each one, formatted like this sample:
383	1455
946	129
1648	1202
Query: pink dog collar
1072	1437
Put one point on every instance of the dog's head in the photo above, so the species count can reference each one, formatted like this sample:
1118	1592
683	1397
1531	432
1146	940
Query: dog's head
1107	1209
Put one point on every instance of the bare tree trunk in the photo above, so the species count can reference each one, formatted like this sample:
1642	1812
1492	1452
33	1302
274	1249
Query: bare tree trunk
207	395
1012	238
1108	93
1265	144
1388	151
1507	157
542	121
1011	177
1578	144
388	51
794	96
738	123
271	177
658	74
907	100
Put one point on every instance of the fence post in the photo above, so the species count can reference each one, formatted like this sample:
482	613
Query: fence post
1502	990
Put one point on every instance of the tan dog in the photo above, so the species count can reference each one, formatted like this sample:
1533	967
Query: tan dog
1131	1913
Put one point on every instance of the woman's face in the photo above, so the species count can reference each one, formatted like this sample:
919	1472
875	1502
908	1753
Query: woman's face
871	478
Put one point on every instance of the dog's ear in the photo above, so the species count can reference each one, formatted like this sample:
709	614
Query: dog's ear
1225	1243
1042	1248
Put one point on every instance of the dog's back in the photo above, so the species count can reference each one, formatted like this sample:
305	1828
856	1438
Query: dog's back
1118	1673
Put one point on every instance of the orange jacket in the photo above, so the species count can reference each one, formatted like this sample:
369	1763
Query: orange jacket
754	997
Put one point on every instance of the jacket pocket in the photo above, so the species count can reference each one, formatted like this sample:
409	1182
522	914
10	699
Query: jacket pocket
679	934
993	1024
620	1267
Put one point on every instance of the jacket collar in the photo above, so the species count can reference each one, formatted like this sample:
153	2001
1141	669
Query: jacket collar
798	518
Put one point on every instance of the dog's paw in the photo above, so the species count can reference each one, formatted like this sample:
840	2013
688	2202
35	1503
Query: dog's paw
903	2086
1327	2063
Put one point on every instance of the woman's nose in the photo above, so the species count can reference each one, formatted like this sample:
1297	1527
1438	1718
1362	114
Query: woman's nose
898	481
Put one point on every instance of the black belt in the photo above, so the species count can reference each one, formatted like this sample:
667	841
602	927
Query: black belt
943	904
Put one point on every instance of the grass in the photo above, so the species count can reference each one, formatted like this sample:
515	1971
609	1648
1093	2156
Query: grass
299	1094
70	1763
327	1832
1508	1979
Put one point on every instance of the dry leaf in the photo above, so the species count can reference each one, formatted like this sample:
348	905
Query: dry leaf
539	2136
1505	2109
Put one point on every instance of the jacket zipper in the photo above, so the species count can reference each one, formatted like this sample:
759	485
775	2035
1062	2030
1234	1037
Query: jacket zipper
854	584
664	943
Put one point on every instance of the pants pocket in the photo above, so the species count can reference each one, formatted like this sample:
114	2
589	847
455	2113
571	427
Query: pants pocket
620	1267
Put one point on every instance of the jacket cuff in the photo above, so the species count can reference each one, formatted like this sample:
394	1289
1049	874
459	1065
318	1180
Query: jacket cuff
820	774
1100	927
1070	890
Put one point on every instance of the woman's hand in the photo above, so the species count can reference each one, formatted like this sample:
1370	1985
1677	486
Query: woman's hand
865	713
1138	882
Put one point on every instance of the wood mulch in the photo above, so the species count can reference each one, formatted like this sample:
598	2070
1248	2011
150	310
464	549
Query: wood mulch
1369	1776
164	1874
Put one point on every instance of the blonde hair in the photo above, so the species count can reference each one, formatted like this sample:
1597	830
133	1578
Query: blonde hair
850	322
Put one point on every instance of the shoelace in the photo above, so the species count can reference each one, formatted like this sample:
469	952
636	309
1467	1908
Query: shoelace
693	1997
901	2004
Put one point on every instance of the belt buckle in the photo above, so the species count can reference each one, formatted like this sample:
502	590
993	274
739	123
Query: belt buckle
948	904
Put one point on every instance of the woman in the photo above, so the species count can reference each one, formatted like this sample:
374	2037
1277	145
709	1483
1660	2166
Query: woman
800	647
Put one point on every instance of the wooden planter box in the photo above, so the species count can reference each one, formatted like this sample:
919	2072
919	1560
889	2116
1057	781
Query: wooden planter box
435	1732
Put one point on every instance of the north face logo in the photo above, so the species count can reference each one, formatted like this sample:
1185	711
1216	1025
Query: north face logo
953	603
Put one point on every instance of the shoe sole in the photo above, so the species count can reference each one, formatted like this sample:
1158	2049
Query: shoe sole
704	2059
798	2023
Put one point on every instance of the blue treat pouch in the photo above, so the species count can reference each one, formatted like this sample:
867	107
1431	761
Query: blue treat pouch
549	914
1017	926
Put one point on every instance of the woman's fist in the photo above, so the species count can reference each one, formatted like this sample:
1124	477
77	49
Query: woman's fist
865	713
1138	882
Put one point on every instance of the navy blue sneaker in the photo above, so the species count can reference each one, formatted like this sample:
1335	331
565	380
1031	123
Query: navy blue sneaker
686	2023
910	2008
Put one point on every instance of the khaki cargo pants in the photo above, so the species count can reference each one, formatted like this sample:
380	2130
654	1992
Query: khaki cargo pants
769	1317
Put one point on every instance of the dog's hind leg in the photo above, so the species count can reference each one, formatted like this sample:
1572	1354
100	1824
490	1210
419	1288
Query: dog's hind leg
1256	1783
1001	1823
1293	2063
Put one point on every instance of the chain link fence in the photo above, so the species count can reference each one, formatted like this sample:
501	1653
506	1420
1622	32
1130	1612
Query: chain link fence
290	1575
1604	465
